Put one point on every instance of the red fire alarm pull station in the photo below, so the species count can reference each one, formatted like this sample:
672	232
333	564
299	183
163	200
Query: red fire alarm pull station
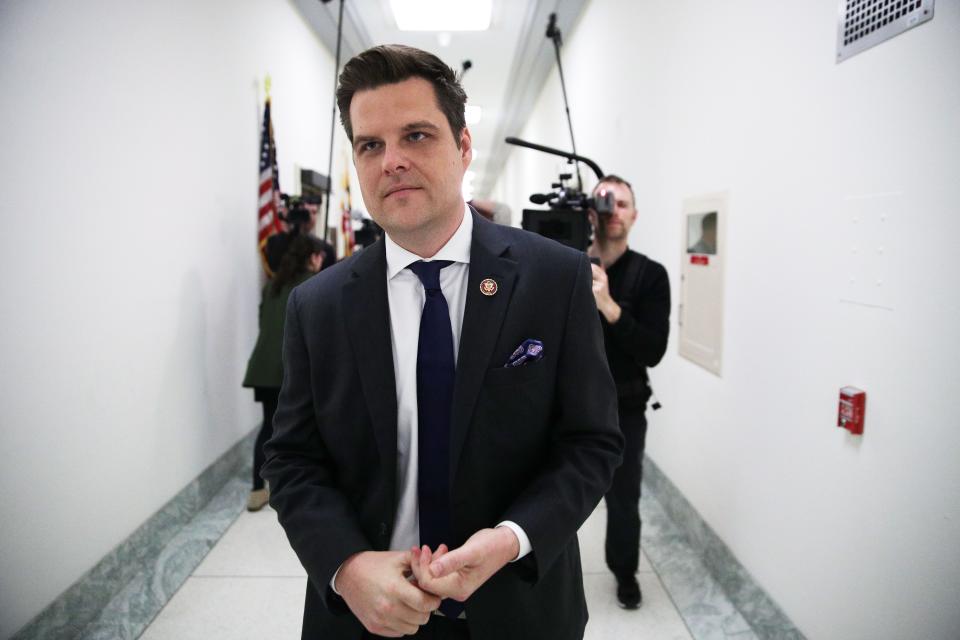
853	404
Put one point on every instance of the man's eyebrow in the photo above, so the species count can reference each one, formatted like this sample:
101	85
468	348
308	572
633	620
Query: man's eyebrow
361	139
420	124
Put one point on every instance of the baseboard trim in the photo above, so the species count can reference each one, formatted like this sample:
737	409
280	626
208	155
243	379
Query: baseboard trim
131	562
758	609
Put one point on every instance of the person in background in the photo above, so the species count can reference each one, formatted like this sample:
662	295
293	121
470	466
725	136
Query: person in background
304	257
300	219
633	297
312	205
708	235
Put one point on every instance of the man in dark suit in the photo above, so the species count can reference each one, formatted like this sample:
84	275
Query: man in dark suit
447	419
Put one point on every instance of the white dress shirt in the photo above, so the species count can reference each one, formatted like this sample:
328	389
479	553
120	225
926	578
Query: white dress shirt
406	297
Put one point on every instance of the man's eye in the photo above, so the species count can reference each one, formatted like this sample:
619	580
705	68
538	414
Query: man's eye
369	146
416	136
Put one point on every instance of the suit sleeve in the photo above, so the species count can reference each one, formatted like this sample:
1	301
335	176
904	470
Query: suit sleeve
320	522
586	443
643	327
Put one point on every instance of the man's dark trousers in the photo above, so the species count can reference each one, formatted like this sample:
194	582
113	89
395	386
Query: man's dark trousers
623	498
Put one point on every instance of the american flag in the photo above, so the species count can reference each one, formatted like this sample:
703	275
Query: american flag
268	217
346	221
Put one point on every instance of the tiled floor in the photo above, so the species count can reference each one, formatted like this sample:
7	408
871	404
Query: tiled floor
251	586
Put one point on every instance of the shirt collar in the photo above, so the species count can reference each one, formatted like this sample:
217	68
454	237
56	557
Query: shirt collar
457	248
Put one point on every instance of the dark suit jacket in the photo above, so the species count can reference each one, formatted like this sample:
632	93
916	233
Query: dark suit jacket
537	444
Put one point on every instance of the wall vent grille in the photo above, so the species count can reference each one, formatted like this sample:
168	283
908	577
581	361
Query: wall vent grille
865	23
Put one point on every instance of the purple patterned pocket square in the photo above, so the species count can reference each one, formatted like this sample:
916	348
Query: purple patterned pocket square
529	351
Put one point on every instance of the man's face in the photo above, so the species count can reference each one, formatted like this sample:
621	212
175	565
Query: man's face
617	225
410	168
311	222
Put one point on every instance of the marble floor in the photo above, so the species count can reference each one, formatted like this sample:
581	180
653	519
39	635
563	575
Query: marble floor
250	585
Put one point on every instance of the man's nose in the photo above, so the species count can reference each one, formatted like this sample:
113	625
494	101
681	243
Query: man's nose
394	160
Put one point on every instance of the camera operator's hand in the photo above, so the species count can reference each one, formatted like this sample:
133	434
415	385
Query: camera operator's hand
594	250
601	293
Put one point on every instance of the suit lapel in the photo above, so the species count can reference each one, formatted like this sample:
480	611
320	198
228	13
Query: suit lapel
482	319
367	316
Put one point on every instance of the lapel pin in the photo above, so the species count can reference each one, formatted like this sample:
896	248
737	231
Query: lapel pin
488	287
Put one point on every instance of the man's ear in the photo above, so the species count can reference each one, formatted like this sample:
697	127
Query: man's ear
466	147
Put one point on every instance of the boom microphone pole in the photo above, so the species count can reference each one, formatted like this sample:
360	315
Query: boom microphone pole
557	152
333	120
553	32
463	70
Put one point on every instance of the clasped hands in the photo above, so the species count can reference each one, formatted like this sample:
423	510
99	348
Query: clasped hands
393	593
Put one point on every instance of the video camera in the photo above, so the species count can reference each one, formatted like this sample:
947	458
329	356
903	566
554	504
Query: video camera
297	212
566	220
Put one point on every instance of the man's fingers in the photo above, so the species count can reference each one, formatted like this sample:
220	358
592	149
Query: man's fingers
417	601
449	563
381	596
407	616
423	561
394	630
420	560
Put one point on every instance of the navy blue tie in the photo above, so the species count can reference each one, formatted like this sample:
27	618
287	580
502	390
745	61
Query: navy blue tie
435	375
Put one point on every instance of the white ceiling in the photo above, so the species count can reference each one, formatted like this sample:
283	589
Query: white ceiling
511	61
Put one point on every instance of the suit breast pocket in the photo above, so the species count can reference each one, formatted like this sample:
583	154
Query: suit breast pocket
505	376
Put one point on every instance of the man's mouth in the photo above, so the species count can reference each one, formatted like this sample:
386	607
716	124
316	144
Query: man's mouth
400	190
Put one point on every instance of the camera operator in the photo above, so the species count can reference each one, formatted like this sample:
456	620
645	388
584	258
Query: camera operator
633	296
301	219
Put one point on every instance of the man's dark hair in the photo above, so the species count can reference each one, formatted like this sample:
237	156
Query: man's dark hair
388	64
615	179
298	215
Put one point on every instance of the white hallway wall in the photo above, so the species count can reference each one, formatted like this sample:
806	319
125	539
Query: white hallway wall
131	281
855	539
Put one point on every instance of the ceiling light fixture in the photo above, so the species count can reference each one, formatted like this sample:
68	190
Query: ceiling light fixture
442	15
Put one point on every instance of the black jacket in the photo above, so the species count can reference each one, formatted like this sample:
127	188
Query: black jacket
537	444
639	338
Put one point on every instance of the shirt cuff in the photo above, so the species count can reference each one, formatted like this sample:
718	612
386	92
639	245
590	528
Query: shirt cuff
333	580
525	547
